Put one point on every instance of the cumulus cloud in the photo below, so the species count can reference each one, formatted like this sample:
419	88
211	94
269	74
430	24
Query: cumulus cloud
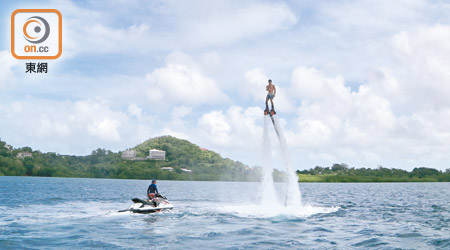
135	110
359	82
93	117
426	70
97	119
182	82
256	80
401	43
236	131
398	117
255	85
216	126
178	112
91	28
76	127
344	124
178	125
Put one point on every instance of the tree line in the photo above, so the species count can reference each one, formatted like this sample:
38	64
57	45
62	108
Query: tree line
206	165
343	173
102	163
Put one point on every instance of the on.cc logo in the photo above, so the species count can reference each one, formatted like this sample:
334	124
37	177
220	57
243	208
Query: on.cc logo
32	29
36	34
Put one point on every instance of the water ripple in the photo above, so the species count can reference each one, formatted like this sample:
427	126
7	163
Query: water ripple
333	216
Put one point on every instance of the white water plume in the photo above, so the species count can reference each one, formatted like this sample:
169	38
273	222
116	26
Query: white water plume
292	196
268	189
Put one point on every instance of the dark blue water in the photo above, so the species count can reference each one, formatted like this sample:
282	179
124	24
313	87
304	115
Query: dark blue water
58	213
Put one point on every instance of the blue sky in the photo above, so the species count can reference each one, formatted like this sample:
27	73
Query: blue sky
360	82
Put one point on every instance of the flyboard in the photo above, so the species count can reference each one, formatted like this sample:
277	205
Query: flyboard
272	113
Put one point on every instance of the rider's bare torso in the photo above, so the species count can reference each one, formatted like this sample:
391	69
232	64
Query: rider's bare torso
271	89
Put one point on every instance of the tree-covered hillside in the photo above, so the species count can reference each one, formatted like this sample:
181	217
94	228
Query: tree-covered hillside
180	155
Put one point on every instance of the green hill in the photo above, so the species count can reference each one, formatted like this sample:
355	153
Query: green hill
181	157
185	161
204	164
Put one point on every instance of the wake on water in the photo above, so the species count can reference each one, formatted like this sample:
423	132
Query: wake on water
274	200
282	200
273	204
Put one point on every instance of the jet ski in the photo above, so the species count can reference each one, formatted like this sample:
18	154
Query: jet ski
158	204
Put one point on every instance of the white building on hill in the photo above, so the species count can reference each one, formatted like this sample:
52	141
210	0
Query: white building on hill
24	154
129	155
156	154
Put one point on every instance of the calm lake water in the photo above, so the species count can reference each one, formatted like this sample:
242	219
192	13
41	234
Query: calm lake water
60	213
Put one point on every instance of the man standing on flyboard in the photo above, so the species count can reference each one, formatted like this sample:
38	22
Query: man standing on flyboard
271	92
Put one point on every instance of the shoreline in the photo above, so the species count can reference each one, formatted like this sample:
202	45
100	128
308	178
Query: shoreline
393	180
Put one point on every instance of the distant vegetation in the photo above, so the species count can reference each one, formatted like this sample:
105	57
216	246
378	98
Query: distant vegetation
343	173
205	165
102	163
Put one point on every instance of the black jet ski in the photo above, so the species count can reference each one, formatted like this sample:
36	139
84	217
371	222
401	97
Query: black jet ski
158	204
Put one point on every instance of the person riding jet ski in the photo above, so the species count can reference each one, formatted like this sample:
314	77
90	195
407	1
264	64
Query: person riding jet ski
155	202
152	192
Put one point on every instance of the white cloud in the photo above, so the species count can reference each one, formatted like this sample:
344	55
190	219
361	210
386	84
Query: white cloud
178	126
312	133
165	25
135	110
95	30
312	87
179	112
426	70
97	119
73	127
100	38
182	83
215	125
398	118
6	62
105	129
401	43
362	82
236	132
255	85
373	17
235	22
256	81
177	133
